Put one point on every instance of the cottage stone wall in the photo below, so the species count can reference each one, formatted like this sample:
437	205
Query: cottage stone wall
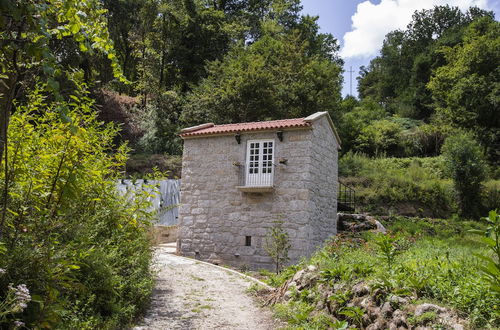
324	171
215	217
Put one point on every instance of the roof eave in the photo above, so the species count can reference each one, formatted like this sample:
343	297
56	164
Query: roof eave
318	115
274	129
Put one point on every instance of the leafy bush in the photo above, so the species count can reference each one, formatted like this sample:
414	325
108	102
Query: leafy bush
380	137
465	164
492	238
81	250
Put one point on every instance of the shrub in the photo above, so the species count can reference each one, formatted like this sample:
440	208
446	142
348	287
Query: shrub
465	163
380	137
491	237
80	248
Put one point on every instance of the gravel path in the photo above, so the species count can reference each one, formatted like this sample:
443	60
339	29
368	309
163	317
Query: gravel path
192	295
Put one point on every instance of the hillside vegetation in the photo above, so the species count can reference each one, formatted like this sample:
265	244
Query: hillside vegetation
374	281
413	186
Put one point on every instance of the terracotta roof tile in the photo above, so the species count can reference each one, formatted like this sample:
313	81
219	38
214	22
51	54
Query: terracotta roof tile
209	129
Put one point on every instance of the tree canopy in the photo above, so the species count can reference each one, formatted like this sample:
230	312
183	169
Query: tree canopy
283	74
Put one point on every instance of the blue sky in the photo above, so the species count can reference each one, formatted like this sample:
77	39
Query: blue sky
360	25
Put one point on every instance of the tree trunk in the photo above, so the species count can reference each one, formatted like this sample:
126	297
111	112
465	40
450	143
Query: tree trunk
7	92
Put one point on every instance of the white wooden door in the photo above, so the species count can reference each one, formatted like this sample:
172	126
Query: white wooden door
259	164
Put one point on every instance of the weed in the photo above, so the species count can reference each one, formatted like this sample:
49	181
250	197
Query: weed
423	319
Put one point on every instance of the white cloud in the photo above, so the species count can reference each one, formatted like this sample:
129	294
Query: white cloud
371	22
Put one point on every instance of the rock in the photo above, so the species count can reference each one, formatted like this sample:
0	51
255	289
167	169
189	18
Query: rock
298	276
366	319
378	295
288	294
424	308
358	222
386	310
379	324
457	326
380	227
374	312
397	301
304	278
338	287
311	268
399	319
360	289
366	302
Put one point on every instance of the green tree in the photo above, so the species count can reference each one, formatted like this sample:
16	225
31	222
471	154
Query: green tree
160	125
466	89
29	32
380	137
398	77
277	76
465	163
491	236
355	117
277	244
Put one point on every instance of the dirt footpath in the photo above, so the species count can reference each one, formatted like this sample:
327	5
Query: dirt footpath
192	295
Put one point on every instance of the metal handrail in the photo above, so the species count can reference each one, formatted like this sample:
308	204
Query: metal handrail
346	197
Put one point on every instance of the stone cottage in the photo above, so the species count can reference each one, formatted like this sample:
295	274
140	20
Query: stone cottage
238	179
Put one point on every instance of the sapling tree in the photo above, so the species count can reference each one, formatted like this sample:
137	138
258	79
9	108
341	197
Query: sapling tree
277	244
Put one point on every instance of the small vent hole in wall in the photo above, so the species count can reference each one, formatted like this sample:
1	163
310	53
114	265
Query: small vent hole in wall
248	240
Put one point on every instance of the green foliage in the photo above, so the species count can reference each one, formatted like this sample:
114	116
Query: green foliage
423	319
380	137
81	249
295	313
492	239
365	126
411	186
277	244
160	125
442	69
278	76
465	88
398	77
30	31
36	40
387	249
355	117
355	314
434	264
466	166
